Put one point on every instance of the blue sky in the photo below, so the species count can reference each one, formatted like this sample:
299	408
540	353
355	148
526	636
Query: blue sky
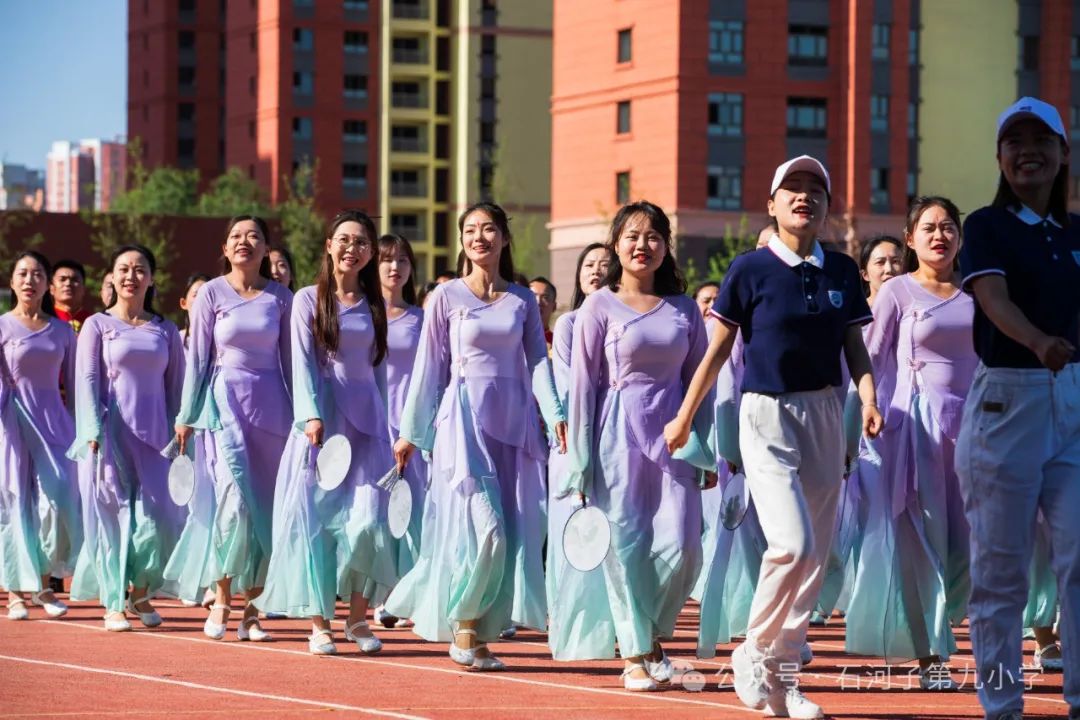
64	74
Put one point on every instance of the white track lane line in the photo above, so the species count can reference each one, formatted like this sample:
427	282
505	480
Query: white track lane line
498	677
213	688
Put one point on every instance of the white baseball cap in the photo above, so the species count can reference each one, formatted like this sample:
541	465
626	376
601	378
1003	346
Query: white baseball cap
1029	107
803	163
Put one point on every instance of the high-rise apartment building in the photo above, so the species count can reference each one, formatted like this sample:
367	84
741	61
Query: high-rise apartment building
693	104
410	109
21	187
84	175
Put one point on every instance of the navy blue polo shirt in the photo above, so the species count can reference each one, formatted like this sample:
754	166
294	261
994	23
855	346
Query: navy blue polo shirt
1040	261
793	314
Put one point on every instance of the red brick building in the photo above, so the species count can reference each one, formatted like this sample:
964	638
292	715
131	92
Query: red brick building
693	104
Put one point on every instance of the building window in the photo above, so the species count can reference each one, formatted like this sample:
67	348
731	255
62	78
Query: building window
303	83
303	3
622	120
408	50
879	113
726	114
879	189
1074	122
356	41
625	53
880	41
356	5
407	224
622	187
911	185
303	39
407	138
808	45
1029	52
186	40
406	183
251	129
912	120
724	188
806	117
913	48
354	175
185	77
356	86
354	131
407	94
185	112
301	128
726	42
1074	52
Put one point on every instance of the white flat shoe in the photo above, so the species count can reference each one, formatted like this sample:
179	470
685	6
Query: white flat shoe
208	599
213	630
117	623
321	642
53	608
368	645
150	619
251	630
660	670
17	610
488	664
633	684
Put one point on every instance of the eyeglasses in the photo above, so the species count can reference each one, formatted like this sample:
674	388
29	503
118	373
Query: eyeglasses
360	243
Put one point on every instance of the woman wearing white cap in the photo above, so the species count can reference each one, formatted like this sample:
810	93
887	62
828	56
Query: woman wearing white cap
798	308
1019	445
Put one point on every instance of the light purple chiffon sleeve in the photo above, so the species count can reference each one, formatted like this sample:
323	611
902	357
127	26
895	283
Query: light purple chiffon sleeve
174	374
87	384
67	369
700	450
586	374
305	363
430	375
536	356
199	366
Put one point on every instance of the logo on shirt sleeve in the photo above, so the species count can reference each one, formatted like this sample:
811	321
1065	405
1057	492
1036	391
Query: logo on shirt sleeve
836	297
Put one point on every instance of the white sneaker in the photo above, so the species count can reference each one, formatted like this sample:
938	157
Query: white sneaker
251	630
749	678
321	642
117	622
1053	664
17	610
789	702
633	684
150	619
936	678
213	630
806	655
368	645
53	608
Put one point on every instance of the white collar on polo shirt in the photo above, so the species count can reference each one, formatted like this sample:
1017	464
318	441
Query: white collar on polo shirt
791	258
1029	217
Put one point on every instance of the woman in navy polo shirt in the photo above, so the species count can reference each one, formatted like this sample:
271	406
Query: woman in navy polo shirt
797	307
1019	445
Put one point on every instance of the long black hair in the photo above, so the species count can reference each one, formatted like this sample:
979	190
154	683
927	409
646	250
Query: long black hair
325	325
288	261
579	295
668	279
389	246
47	299
915	211
192	279
148	301
502	222
868	249
264	229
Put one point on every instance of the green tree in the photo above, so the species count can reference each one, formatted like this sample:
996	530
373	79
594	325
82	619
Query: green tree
9	222
734	243
232	193
302	226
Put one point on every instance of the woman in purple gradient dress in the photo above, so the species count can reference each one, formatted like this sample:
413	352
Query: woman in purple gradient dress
128	375
36	478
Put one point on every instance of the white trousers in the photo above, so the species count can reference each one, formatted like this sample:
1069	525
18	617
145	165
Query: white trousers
793	449
1018	452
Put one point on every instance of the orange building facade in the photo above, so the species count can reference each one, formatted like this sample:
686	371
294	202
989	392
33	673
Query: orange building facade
693	104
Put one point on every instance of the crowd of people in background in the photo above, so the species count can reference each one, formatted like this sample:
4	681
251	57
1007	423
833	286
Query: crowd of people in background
906	422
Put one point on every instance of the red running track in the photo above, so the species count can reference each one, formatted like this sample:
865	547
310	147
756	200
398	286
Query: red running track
72	668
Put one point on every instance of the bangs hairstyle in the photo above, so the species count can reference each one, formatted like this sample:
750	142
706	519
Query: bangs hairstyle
148	301
669	279
502	222
264	266
326	326
867	250
1006	197
192	279
915	211
579	295
46	268
288	261
389	246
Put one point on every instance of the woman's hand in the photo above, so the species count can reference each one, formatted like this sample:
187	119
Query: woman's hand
403	450
183	434
711	479
560	436
313	429
872	422
94	446
676	433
